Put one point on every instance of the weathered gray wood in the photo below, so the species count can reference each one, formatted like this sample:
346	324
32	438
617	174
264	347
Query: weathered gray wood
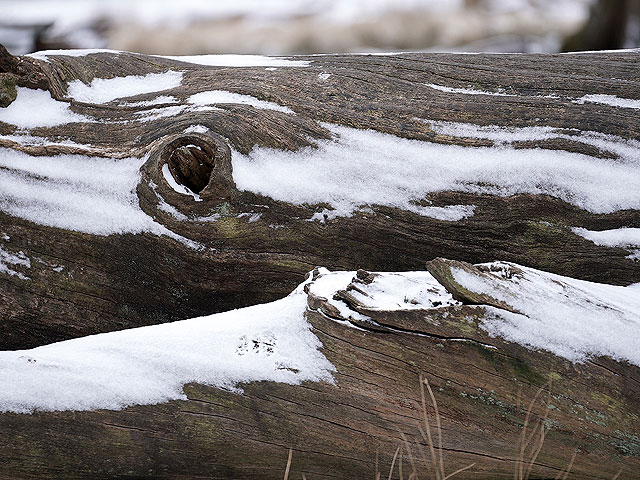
482	386
122	281
255	263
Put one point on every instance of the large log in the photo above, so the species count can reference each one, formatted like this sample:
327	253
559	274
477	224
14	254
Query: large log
129	280
483	386
238	247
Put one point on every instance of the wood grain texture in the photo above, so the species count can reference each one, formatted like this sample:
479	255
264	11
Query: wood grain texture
123	281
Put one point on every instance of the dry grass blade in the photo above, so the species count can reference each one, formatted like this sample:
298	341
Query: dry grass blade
459	470
438	464
617	474
525	440
542	425
393	462
438	426
414	472
565	474
428	439
286	472
533	459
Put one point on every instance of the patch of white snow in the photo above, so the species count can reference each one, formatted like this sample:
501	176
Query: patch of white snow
215	97
36	108
103	90
150	365
574	319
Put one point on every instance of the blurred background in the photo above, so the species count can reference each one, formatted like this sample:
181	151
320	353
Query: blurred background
286	27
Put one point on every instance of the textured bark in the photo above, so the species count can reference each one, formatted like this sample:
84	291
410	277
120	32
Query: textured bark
130	280
123	281
482	385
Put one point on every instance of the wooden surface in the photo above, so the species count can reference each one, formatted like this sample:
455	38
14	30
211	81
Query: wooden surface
123	281
482	385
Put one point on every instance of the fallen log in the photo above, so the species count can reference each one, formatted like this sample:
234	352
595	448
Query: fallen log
111	272
138	190
489	391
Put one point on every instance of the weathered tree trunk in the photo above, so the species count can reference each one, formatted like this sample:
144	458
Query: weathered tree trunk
258	249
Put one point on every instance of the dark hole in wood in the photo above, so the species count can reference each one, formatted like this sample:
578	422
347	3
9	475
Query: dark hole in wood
191	165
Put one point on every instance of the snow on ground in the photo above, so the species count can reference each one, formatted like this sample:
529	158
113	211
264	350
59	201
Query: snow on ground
150	365
387	170
103	90
572	318
214	97
50	112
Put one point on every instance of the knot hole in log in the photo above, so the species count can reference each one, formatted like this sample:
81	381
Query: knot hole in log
200	162
191	164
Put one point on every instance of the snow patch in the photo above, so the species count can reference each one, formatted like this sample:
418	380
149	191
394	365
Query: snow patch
36	108
31	140
196	129
150	365
388	291
572	318
166	173
214	97
612	100
467	91
102	90
45	54
148	103
230	60
618	237
94	195
10	260
383	169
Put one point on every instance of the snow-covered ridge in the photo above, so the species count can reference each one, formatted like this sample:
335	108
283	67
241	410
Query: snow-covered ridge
571	318
71	52
232	60
150	365
574	319
213	60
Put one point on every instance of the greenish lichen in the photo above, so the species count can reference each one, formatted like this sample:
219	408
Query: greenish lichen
8	91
